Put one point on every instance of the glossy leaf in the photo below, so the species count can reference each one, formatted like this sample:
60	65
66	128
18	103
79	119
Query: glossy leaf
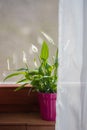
23	80
21	87
22	69
44	51
14	74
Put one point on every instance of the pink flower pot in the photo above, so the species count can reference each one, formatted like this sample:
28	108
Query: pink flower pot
47	103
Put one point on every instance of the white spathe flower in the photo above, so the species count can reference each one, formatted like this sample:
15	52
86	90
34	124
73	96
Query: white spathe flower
40	40
34	48
8	64
48	37
35	63
24	57
4	74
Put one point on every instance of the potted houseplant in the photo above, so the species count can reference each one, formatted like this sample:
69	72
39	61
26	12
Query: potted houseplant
43	80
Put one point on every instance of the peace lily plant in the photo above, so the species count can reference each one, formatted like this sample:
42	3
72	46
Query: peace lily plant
43	80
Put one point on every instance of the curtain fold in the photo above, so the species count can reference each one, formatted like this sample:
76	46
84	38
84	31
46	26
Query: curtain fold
72	73
84	71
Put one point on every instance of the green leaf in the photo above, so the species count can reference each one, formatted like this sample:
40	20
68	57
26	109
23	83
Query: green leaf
14	74
20	87
23	80
44	51
56	63
56	59
48	68
33	72
22	69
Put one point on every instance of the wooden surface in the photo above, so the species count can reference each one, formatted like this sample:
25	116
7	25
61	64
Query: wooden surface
20	101
7	127
12	103
23	118
23	121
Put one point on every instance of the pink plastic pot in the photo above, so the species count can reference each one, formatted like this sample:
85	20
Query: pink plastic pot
47	103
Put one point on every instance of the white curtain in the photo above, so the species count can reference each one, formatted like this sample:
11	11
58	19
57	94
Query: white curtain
72	84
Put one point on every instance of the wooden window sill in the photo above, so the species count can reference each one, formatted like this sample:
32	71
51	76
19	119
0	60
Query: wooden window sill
20	110
20	101
29	121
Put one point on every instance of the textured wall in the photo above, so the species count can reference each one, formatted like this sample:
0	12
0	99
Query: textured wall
20	24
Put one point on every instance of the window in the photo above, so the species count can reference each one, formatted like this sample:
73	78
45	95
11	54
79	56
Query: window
20	24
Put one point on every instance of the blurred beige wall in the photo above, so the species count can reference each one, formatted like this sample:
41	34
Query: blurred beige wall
21	22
